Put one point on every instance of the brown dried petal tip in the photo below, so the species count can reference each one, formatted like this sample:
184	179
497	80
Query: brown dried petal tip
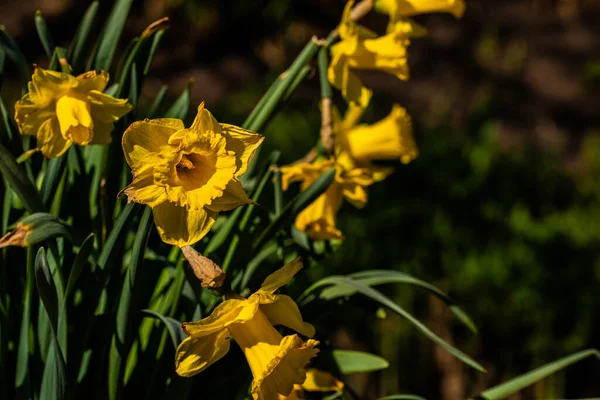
205	269
16	237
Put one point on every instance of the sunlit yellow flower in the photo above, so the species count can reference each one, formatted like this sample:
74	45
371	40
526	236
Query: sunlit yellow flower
61	109
358	146
187	175
276	362
318	219
360	48
316	381
405	8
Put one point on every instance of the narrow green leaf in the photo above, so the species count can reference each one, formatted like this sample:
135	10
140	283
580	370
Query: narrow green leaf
107	254
323	67
9	127
299	203
158	102
22	368
44	34
173	326
402	397
80	264
156	39
14	54
353	362
54	171
82	42
109	39
515	385
384	300
46	287
181	106
19	182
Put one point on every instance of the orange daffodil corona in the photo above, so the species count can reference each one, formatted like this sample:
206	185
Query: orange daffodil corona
318	219
61	109
187	175
277	362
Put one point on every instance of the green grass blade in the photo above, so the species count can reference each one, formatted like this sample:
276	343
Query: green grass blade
181	106
158	102
515	385
19	182
156	39
299	203
14	54
81	44
107	254
52	177
80	263
402	397
22	368
9	127
44	34
354	362
173	326
111	34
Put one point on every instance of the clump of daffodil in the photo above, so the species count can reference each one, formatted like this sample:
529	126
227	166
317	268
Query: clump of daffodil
277	362
318	219
187	175
61	109
316	381
360	48
398	9
358	146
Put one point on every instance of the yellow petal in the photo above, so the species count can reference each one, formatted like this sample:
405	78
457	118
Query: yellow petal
205	122
318	219
352	116
284	311
102	132
30	117
233	196
285	370
297	394
106	108
195	354
304	172
47	86
321	381
180	227
282	276
146	137
92	80
50	140
73	112
228	312
405	8
243	143
347	82
143	190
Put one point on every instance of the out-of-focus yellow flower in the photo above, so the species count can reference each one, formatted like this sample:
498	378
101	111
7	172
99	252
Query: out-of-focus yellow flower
316	381
61	109
398	9
187	175
391	138
360	48
318	219
277	362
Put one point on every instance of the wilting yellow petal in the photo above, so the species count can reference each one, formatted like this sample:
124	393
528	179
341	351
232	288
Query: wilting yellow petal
181	227
405	8
30	117
284	311
144	138
73	112
243	142
46	86
195	354
105	108
143	190
321	381
50	140
233	196
281	277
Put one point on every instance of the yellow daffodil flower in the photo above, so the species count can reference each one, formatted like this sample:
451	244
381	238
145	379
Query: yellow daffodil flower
61	109
318	219
398	9
187	175
276	362
391	138
360	48
316	381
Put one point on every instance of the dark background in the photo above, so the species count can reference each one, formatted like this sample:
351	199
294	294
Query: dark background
500	209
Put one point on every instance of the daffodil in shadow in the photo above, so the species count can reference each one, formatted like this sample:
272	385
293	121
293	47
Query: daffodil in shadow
61	109
398	9
316	381
363	145
318	219
277	362
187	175
360	48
